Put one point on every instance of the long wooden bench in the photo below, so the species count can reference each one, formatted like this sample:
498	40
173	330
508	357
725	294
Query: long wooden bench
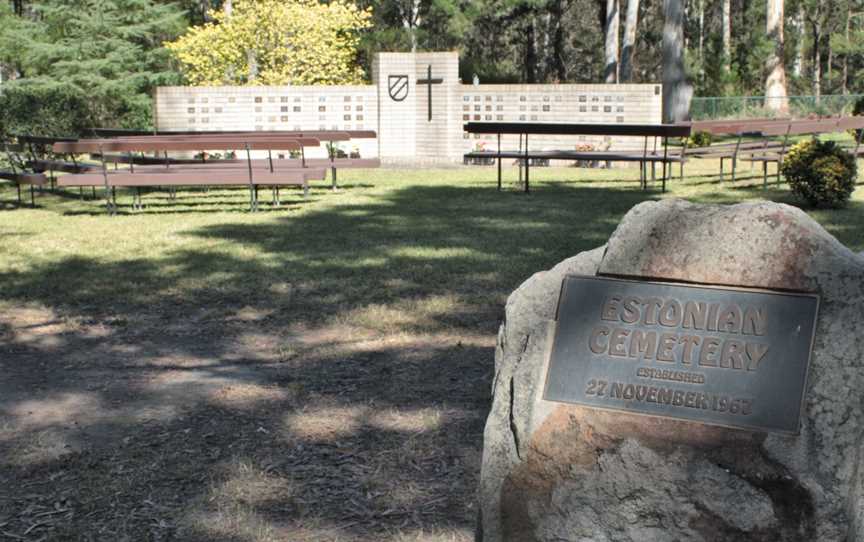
796	128
42	160
331	137
523	129
16	174
253	177
748	135
20	178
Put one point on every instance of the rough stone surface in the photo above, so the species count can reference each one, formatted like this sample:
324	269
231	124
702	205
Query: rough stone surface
556	472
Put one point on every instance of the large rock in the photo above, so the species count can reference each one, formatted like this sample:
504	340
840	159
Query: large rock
560	472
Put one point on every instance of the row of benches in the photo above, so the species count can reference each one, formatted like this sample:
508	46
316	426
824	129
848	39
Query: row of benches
756	141
136	161
753	140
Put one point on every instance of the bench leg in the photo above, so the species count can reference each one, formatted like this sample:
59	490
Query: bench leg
334	186
721	169
109	205
253	198
18	186
682	172
765	174
305	191
81	193
93	192
734	168
663	186
32	196
499	173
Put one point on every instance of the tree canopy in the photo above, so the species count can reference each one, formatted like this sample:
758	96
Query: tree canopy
275	42
108	51
113	52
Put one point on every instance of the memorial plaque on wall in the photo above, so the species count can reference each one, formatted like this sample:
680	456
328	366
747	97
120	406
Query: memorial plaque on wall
723	356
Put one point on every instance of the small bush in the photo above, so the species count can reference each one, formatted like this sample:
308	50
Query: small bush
45	111
699	139
820	173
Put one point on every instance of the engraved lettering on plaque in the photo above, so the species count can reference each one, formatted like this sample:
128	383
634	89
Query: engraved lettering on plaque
722	356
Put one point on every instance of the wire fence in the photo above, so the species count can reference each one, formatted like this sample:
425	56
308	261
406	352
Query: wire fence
738	107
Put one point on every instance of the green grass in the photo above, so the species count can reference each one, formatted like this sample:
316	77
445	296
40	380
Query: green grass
393	250
317	372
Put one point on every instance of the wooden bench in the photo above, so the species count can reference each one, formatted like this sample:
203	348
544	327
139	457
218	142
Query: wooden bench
207	175
524	129
43	160
15	173
331	137
794	128
748	134
766	148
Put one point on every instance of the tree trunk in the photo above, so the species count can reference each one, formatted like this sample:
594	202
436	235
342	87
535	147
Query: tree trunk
530	52
727	35
817	61
677	92
800	28
252	62
411	20
845	84
558	40
626	74
775	84
611	71
701	15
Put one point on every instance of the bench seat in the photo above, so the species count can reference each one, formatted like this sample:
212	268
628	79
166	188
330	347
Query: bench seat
42	166
601	156
35	179
21	178
729	149
762	157
222	177
344	163
279	164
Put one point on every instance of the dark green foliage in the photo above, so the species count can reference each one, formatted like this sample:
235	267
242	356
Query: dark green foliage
107	50
699	139
821	173
44	110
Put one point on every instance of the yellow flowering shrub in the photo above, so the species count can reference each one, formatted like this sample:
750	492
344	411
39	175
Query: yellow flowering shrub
275	42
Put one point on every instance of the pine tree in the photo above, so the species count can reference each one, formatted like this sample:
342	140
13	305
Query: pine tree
108	50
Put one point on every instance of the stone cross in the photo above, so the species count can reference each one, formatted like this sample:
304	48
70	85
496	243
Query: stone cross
429	82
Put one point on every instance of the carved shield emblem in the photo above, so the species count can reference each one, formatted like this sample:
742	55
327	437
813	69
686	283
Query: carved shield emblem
397	86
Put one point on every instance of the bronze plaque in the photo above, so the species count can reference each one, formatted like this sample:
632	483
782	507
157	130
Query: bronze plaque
723	356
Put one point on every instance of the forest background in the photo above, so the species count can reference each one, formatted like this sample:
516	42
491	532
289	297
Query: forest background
68	64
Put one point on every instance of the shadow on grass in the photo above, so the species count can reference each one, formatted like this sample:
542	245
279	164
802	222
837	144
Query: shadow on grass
340	437
366	439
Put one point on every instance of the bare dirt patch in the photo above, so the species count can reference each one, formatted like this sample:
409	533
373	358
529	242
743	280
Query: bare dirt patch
246	429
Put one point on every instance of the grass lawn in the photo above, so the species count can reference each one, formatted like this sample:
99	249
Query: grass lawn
320	371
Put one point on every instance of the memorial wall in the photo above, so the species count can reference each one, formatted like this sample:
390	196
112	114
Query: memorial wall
417	104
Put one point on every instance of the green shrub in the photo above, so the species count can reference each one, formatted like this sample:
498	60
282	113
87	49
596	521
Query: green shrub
820	173
46	111
699	139
857	110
